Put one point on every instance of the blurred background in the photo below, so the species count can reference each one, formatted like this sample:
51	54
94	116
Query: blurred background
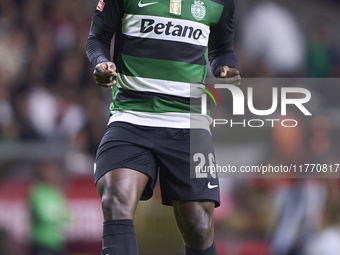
52	117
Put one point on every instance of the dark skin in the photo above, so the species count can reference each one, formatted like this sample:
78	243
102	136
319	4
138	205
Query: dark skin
121	189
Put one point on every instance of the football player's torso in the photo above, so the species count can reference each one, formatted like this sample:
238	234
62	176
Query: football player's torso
163	47
171	34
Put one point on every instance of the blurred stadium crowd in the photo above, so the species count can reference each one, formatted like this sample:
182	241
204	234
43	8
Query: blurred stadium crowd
47	87
48	95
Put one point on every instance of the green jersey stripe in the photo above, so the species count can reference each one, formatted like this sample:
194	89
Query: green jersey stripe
182	89
160	69
162	8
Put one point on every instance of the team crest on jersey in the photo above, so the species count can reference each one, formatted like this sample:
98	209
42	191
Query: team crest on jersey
176	6
100	5
198	10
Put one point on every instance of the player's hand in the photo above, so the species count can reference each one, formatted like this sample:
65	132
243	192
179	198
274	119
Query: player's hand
230	75
105	73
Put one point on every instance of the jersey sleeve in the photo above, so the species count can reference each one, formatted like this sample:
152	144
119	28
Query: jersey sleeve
220	46
108	14
105	22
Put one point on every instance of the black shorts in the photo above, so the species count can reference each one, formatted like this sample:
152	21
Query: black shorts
163	151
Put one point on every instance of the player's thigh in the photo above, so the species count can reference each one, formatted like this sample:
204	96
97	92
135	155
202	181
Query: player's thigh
125	169
120	191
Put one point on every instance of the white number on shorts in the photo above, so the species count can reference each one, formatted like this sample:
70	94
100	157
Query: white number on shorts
201	170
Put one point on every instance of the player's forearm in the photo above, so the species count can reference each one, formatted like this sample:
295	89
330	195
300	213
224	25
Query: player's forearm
222	56
98	45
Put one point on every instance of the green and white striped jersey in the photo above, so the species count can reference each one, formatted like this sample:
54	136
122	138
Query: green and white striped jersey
160	46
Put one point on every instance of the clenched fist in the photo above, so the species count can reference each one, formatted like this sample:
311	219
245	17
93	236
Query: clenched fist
230	75
105	74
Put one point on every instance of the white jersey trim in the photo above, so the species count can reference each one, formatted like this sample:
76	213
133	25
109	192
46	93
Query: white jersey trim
168	119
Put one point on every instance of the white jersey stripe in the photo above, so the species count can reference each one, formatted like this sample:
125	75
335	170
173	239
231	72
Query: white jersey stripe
168	119
169	29
181	89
